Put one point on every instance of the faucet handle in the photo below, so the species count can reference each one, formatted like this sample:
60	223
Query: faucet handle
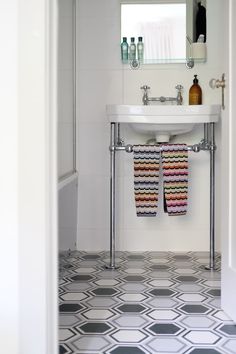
145	87
179	98
179	87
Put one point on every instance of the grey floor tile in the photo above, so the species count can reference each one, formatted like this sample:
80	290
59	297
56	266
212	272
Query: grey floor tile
155	302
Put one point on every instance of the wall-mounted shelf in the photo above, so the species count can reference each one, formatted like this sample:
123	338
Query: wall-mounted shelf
135	64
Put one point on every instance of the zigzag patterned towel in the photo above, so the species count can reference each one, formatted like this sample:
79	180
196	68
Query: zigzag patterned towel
175	177
146	178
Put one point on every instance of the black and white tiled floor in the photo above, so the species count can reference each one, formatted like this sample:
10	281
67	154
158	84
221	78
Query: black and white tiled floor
156	302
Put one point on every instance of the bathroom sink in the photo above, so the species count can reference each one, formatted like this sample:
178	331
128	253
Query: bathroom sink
164	121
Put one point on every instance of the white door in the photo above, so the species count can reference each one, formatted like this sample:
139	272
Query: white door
228	186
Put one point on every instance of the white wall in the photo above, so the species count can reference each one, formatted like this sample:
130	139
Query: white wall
68	213
37	177
28	225
65	87
8	179
101	80
67	191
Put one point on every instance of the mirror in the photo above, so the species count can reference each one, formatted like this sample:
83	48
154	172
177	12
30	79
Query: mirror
164	26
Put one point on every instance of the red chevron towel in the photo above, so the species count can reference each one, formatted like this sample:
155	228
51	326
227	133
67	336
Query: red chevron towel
146	178
175	177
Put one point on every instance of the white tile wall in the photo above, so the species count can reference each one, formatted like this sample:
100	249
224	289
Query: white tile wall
65	86
102	80
68	195
67	216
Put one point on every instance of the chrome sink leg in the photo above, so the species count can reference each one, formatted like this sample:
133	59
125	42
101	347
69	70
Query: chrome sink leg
212	148
113	141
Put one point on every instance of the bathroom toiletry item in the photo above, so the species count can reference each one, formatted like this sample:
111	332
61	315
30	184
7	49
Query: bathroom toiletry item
200	38
146	178
195	93
201	21
198	50
140	49
174	159
132	49
124	50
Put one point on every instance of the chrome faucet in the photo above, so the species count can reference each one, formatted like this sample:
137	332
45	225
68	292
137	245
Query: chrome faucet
179	98
145	89
146	99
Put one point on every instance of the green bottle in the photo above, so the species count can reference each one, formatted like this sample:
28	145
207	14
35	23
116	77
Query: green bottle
124	50
132	49
140	49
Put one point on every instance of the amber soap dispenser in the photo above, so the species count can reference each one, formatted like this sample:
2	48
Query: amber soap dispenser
195	92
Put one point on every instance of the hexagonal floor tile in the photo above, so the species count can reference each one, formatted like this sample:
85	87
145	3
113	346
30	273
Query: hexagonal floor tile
204	351
134	321
81	277
133	287
182	257
78	286
127	350
134	270
162	292
86	270
174	345
211	275
216	303
65	334
163	315
221	315
187	278
102	301
228	329
135	256
136	278
161	274
67	320
104	291
91	343
162	302
212	283
159	267
214	292
185	271
230	345
189	288
98	314
70	307
132	297
94	327
131	308
182	264
197	321
71	296
161	282
202	337
106	282
159	260
91	256
165	328
63	349
108	274
193	308
192	297
129	336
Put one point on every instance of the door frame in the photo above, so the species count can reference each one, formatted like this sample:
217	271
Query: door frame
37	177
228	192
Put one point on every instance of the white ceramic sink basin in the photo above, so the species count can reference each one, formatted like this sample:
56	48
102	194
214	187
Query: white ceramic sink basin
163	121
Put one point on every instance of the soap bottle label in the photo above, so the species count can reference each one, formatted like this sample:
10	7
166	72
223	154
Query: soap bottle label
195	98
